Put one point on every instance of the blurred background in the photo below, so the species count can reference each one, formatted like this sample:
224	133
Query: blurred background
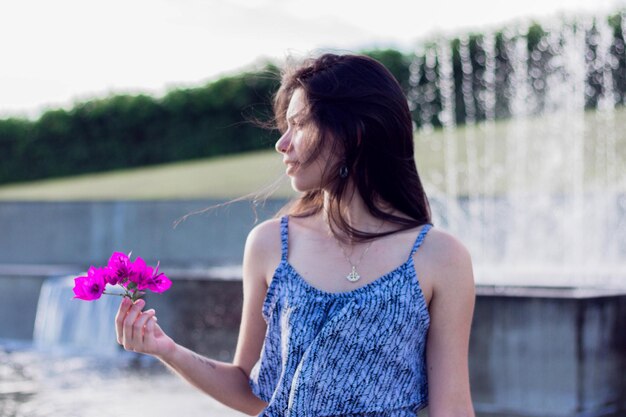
118	119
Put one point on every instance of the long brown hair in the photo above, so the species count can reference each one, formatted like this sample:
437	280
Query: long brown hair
358	109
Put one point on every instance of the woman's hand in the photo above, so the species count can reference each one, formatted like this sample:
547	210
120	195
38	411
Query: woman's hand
139	332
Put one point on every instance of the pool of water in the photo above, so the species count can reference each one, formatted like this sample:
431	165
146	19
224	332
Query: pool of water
38	384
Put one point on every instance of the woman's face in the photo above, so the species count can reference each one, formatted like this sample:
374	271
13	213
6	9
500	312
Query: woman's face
296	145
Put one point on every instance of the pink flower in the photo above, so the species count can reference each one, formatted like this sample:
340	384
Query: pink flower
110	275
133	277
140	274
120	266
90	287
158	282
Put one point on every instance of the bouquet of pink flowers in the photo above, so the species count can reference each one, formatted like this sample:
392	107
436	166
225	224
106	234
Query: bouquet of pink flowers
133	277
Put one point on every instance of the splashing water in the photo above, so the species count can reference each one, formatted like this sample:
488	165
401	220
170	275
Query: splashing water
540	198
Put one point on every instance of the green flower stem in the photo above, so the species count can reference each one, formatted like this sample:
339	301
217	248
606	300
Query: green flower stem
114	293
130	292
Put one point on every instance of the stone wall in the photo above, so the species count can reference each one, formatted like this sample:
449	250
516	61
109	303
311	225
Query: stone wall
534	352
84	233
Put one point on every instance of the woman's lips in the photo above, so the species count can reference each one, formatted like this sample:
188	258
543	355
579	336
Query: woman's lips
291	166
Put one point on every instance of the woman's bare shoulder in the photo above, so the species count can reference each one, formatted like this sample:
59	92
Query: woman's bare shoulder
445	248
265	237
446	259
265	231
263	247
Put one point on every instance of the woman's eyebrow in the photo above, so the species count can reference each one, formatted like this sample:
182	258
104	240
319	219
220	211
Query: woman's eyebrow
293	117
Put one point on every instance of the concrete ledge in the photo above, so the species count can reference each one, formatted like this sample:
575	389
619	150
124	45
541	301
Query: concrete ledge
20	286
549	352
90	231
32	270
534	352
226	272
547	291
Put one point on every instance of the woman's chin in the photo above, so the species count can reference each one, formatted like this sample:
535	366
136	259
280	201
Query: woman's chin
302	186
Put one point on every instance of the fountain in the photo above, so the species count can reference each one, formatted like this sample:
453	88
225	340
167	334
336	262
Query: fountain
540	200
65	325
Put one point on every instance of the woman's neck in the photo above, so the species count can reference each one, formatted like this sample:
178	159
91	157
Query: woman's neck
354	211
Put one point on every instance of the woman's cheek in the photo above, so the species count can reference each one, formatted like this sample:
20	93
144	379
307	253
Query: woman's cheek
298	143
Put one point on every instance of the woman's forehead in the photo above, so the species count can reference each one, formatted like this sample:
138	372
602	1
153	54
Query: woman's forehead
296	104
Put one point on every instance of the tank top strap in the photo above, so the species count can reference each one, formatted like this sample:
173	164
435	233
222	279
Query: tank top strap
420	238
284	237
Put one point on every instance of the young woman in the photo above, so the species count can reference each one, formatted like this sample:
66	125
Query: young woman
354	305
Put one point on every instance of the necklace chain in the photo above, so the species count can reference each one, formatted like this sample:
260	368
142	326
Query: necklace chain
354	276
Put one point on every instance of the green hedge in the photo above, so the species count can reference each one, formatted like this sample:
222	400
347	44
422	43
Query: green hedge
122	131
129	131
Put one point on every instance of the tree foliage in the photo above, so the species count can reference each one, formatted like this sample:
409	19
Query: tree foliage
221	117
124	131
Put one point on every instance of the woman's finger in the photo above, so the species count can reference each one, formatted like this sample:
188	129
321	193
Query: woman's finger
138	328
148	332
125	305
127	327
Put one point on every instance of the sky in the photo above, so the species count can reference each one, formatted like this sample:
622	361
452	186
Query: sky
56	53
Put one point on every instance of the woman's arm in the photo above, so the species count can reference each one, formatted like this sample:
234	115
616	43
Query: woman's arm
451	310
227	383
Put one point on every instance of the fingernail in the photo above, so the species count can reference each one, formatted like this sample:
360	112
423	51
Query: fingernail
150	311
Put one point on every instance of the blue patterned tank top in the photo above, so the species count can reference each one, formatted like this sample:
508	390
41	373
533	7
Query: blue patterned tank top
359	353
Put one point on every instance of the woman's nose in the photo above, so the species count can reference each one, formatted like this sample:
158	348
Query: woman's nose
282	145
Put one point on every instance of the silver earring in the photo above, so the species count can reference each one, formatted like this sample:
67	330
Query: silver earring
343	172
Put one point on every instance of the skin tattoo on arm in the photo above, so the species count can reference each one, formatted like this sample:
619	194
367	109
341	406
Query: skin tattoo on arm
204	360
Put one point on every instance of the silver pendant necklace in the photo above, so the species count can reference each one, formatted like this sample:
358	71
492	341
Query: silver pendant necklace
354	276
